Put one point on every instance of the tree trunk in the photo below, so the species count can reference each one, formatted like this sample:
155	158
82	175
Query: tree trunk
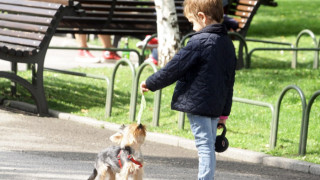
167	30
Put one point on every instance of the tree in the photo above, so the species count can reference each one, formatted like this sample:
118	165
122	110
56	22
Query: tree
167	30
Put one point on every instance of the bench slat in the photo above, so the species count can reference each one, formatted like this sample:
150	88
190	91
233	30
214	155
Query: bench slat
17	50
123	32
125	2
244	8
22	34
52	6
242	14
24	26
20	41
241	20
64	2
248	2
27	10
25	19
132	9
94	8
128	15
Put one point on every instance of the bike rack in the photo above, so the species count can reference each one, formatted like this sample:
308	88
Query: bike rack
240	53
293	48
235	99
295	56
157	96
275	123
304	138
111	84
258	103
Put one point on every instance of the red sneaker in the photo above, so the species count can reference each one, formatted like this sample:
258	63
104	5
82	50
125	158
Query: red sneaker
152	60
110	55
153	43
86	56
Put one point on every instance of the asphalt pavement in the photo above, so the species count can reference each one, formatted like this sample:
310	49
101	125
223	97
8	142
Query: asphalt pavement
33	148
64	146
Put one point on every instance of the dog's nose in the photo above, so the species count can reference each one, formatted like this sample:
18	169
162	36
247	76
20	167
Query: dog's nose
140	126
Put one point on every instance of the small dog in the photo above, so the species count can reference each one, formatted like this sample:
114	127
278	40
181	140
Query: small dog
125	159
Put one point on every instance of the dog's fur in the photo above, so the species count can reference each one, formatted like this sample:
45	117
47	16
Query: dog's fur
130	139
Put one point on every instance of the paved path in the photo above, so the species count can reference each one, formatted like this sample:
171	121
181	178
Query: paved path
33	148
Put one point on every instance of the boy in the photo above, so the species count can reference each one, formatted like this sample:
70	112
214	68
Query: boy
205	72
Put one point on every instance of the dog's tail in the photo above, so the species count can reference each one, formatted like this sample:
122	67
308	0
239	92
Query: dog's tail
93	175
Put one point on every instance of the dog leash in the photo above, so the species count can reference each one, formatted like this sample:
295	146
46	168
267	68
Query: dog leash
142	106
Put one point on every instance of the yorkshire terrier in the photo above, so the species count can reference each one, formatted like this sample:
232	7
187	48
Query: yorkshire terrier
125	159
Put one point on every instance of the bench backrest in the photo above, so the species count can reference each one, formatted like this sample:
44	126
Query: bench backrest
26	27
243	11
132	17
120	17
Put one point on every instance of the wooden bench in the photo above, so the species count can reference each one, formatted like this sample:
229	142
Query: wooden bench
138	18
243	12
119	17
26	28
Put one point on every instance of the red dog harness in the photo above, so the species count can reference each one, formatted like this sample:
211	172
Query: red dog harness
130	158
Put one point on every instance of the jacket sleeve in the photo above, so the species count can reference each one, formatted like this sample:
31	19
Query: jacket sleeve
176	68
227	107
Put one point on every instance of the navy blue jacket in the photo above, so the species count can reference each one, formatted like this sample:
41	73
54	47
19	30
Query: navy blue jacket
204	70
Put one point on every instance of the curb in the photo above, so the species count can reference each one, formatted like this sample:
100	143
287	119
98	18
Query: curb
231	153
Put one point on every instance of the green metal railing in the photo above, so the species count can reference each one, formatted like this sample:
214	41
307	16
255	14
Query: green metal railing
275	123
295	57
157	96
144	48
242	43
263	104
295	48
105	78
111	84
304	137
234	99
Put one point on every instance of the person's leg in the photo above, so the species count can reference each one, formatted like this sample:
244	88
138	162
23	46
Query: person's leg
84	55
116	40
204	130
106	43
82	40
105	40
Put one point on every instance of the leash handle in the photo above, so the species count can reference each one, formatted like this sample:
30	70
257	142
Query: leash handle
142	106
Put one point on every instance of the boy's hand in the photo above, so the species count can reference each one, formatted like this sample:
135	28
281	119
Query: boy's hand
143	87
223	120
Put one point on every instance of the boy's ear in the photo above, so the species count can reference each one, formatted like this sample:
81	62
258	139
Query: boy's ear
117	137
202	17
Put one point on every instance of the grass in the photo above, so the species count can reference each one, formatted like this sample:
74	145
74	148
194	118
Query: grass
248	126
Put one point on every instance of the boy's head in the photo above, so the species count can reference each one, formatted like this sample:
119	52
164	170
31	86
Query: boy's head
203	12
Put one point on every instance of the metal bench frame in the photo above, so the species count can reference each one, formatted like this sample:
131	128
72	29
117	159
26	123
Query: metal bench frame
17	36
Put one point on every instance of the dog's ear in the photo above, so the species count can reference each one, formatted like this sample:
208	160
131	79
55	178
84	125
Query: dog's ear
117	137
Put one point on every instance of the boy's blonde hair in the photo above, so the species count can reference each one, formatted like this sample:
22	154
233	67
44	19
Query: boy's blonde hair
211	8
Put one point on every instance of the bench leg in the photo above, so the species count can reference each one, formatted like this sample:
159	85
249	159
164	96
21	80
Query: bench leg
14	69
37	82
36	89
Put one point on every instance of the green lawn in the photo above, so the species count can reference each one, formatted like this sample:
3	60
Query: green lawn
248	126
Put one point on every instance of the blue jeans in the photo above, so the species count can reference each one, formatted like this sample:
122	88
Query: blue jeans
204	130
